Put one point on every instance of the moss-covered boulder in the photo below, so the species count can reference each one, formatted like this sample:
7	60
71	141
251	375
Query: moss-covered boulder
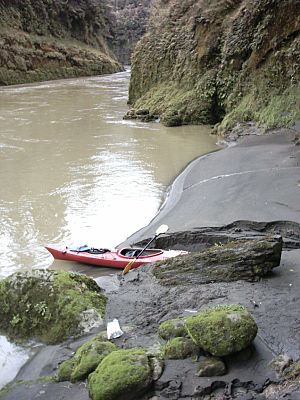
211	366
122	375
86	359
171	118
222	330
172	328
49	306
180	348
140	114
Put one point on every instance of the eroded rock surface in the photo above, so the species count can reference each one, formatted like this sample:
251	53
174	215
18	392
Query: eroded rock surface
43	40
203	60
200	238
130	21
244	259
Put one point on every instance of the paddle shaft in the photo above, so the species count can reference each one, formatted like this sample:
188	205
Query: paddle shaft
147	245
129	265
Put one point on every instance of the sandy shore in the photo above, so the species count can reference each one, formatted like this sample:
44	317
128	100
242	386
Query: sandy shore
258	179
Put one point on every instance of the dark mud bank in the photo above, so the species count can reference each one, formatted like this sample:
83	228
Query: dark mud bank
142	303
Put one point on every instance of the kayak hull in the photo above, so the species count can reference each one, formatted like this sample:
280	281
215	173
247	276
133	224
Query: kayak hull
112	259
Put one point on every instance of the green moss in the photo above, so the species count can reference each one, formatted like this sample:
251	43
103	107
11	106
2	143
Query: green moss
222	330
30	58
180	348
243	112
281	110
211	366
293	372
48	306
5	390
241	65
258	270
172	328
171	118
86	359
65	370
122	374
47	378
268	109
182	104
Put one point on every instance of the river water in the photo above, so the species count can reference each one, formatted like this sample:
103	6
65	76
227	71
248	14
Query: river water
72	171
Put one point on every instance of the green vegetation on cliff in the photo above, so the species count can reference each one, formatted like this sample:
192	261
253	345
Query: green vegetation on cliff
225	61
50	39
130	21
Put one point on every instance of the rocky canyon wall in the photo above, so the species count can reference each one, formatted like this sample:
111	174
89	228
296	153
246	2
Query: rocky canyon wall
50	39
220	62
130	22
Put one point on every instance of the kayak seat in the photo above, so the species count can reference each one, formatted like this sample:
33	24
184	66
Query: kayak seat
137	253
130	252
93	250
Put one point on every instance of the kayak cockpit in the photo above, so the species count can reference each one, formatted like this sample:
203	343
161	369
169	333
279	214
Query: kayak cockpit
130	252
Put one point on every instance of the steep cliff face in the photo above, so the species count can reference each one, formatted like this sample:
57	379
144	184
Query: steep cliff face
208	61
131	19
47	39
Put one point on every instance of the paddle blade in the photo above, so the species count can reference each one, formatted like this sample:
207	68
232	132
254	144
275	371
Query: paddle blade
128	267
161	229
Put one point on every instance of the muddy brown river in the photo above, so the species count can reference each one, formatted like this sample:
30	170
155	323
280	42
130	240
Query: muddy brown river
72	171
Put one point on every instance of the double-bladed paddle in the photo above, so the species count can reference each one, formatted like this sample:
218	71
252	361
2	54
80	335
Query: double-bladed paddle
160	230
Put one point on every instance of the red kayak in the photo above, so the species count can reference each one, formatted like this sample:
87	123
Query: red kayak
117	258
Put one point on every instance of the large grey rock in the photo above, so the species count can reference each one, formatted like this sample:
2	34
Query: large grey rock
245	259
200	238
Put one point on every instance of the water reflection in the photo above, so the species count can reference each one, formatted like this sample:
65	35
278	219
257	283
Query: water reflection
73	171
12	358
